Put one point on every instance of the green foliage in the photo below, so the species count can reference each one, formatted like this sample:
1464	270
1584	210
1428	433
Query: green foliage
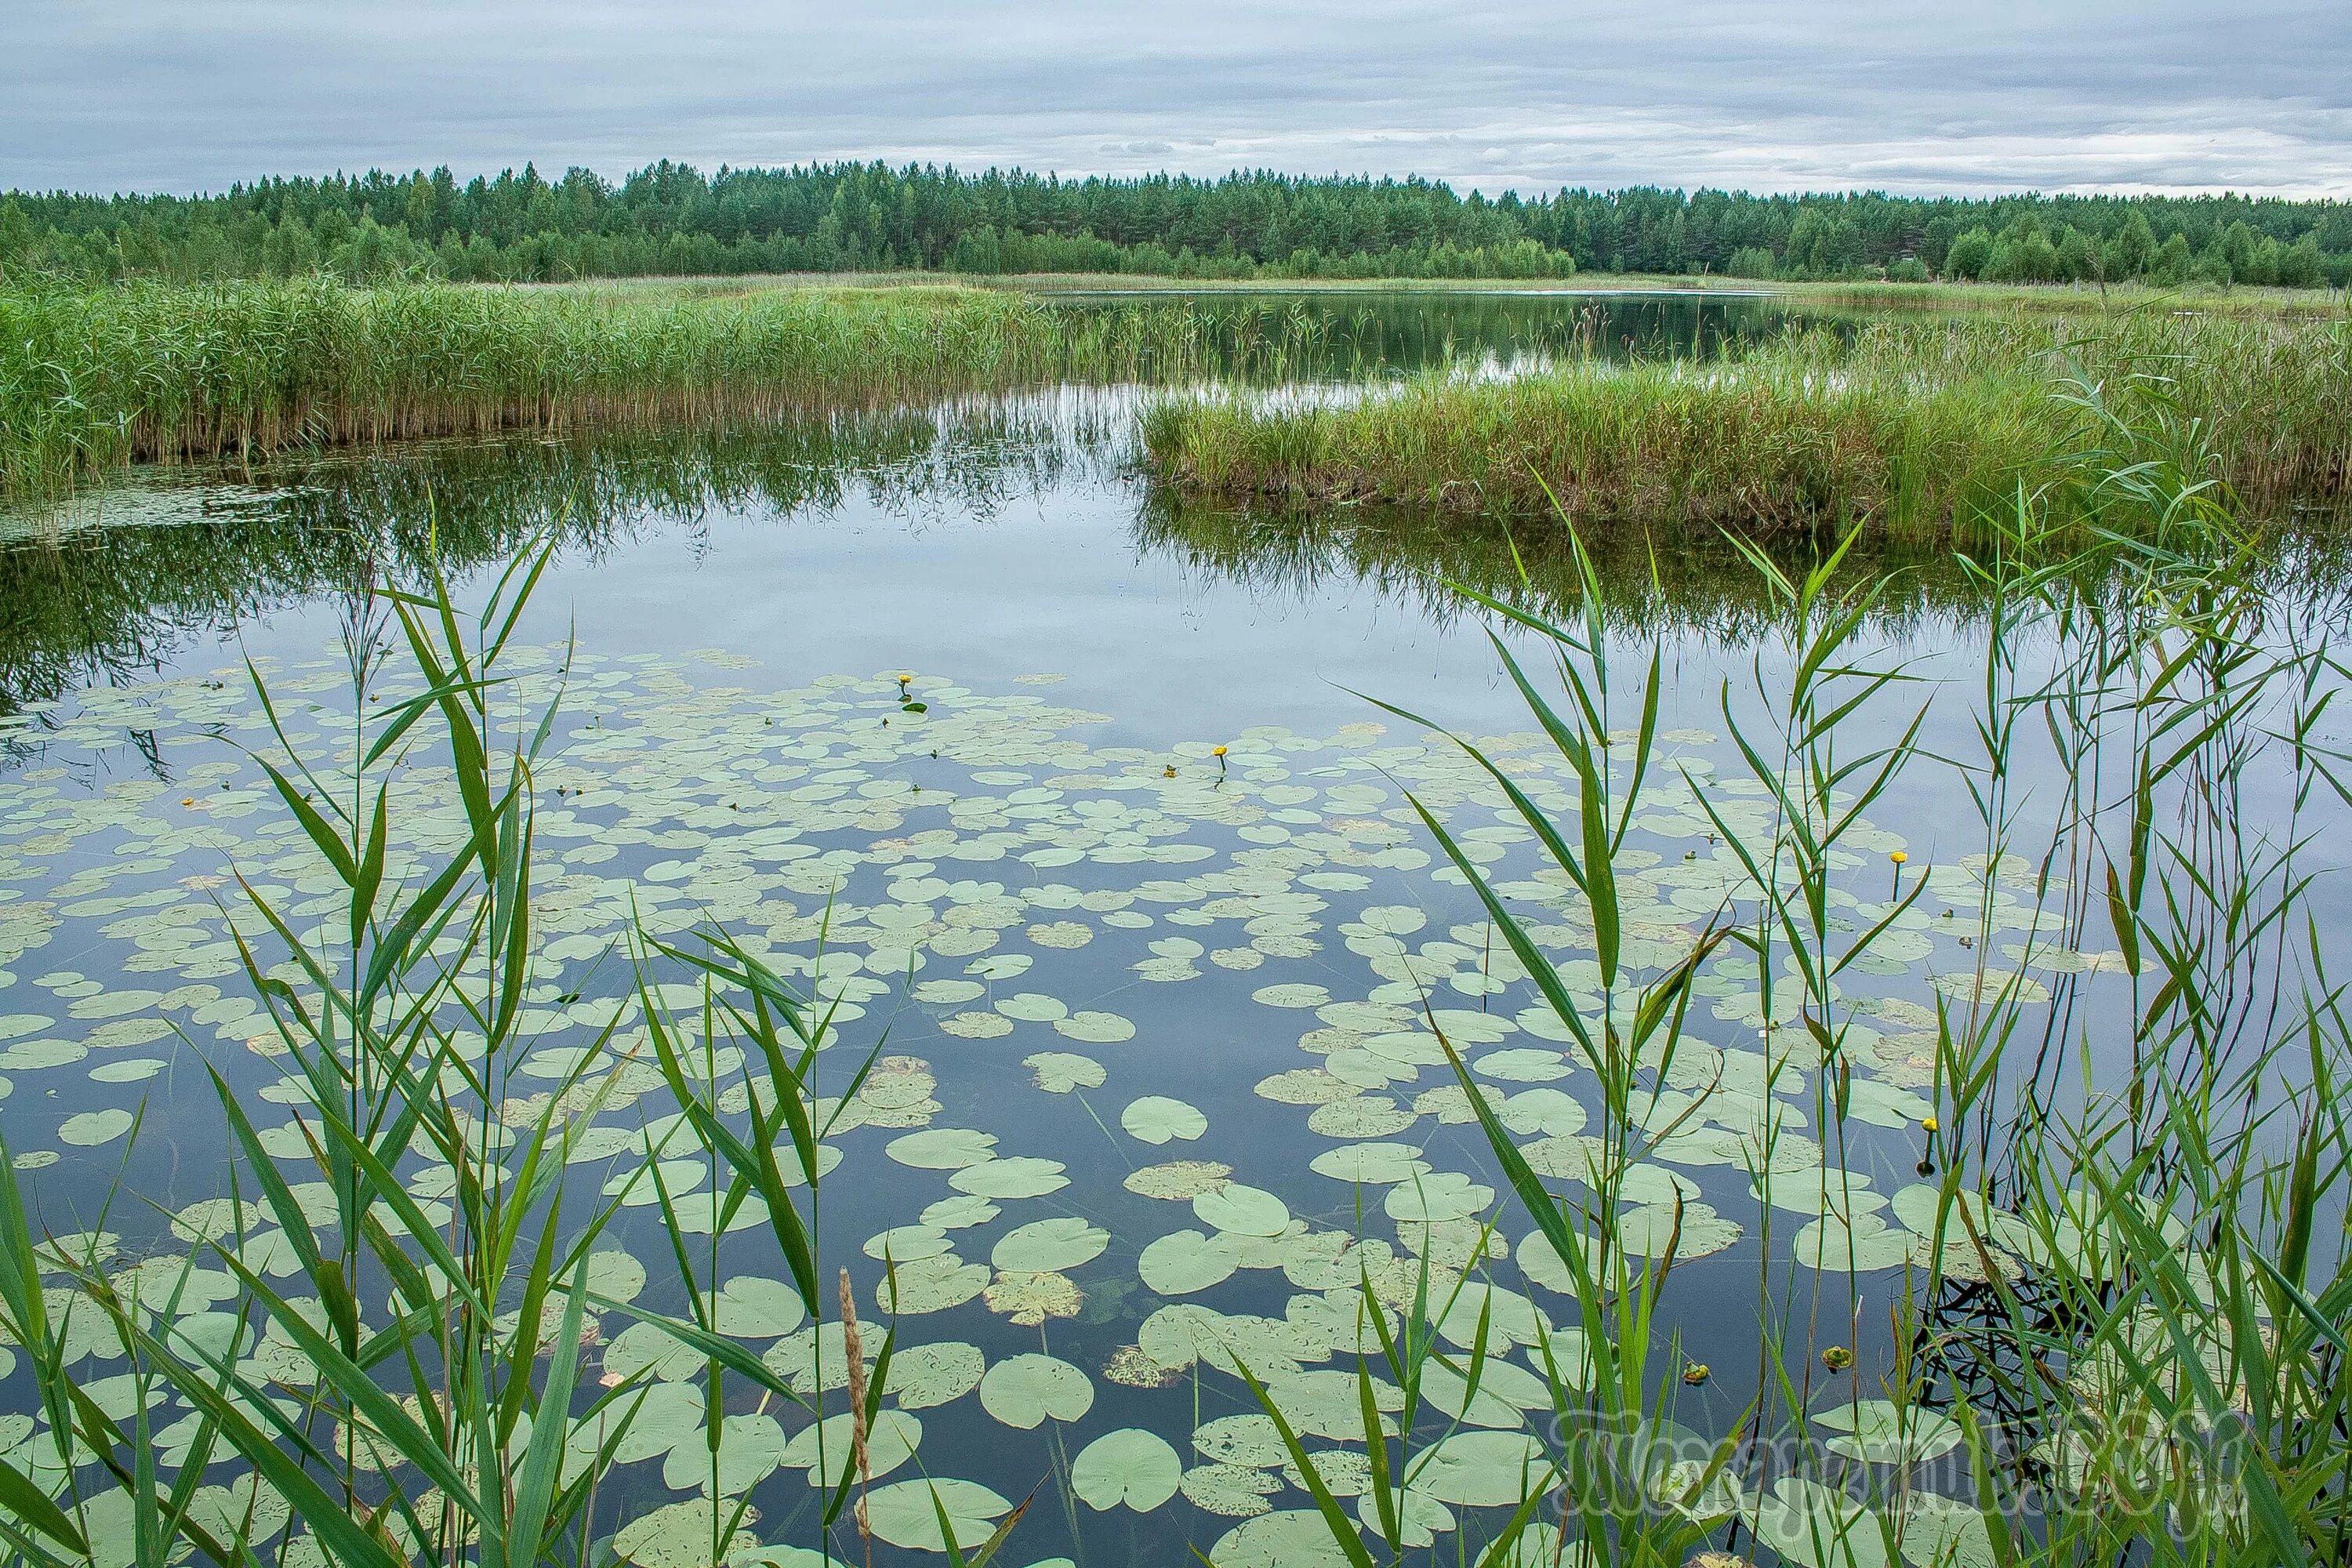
1919	426
2119	1313
669	218
92	378
453	1425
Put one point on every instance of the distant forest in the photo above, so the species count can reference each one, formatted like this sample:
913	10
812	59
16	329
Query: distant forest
669	218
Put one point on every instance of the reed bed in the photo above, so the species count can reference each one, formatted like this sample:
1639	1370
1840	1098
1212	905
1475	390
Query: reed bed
1926	426
92	379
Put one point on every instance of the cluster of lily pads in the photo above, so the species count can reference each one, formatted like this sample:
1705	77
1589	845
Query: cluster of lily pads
1043	924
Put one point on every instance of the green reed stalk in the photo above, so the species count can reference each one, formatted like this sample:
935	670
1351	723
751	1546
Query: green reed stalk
455	1428
2154	1370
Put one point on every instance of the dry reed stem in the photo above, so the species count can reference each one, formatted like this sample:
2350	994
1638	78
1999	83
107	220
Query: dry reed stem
853	1351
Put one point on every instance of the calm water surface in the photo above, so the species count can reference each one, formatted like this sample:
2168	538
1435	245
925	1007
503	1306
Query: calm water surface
1125	954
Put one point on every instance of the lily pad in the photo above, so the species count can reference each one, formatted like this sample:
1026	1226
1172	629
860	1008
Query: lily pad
1064	1242
1237	1209
1881	1431
1483	1470
1021	1176
1179	1181
942	1148
751	1448
907	1513
1292	1538
1436	1197
1130	1468
1027	1297
92	1128
1026	1390
1059	1072
1369	1163
1156	1118
890	1443
1187	1262
1094	1027
935	1373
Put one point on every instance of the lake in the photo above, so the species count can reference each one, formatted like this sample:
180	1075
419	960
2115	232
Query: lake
1085	807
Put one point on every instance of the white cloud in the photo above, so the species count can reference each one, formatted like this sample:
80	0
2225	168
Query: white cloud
182	94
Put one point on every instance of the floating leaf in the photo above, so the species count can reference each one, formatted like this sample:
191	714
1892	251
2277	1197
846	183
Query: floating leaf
1029	1297
91	1128
942	1149
679	1534
1186	1262
1816	1526
1130	1468
1438	1196
1373	1163
1179	1181
1236	1491
1059	1072
1094	1027
1883	1433
751	1308
1237	1209
1156	1118
1523	1065
1025	1389
1483	1470
931	1284
1064	1242
1022	1176
935	1373
905	1243
822	1447
751	1448
904	1514
1293	1538
1247	1439
1364	1116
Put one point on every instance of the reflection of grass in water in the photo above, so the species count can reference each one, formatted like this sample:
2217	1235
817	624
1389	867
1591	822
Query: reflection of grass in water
1686	581
117	595
1920	426
94	378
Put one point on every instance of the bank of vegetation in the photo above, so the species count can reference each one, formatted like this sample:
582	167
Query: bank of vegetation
1920	426
671	219
94	377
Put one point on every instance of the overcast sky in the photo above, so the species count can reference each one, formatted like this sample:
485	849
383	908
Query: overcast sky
1970	96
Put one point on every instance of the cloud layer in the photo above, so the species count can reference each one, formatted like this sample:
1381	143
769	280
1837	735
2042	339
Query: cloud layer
192	94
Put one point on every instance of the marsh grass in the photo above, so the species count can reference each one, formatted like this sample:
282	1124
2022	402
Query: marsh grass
92	379
1925	427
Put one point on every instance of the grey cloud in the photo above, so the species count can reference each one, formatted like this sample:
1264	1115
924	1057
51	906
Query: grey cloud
182	94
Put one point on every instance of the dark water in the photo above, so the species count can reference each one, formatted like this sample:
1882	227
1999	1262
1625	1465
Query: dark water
732	610
1361	332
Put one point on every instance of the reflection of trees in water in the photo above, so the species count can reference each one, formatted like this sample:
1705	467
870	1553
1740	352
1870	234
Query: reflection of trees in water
112	598
120	597
1355	333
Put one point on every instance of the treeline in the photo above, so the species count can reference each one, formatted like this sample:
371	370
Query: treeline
669	218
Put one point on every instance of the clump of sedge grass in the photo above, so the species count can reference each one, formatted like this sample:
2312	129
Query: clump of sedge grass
1926	428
